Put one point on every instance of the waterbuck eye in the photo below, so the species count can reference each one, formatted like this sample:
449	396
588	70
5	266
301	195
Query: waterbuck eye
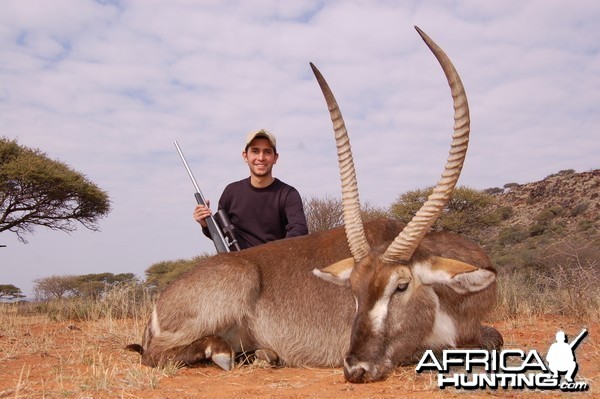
402	287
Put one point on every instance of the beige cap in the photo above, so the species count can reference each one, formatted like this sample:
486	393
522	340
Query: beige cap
261	133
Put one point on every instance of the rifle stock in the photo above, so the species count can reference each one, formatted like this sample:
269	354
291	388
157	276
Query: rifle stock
215	232
227	228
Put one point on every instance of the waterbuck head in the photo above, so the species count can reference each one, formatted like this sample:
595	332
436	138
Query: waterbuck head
401	291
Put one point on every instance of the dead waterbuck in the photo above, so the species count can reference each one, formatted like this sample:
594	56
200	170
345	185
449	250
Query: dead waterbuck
397	290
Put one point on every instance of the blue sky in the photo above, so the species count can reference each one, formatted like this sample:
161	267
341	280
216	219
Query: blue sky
106	86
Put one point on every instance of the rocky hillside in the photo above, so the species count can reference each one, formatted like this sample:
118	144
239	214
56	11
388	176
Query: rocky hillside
571	199
564	206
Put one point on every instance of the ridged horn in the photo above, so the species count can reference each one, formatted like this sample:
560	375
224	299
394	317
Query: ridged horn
355	234
408	240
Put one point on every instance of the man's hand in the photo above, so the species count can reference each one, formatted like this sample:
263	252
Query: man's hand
201	212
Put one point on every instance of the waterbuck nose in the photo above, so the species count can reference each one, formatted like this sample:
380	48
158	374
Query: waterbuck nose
356	371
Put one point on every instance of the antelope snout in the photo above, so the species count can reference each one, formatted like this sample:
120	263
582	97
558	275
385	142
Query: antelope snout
357	371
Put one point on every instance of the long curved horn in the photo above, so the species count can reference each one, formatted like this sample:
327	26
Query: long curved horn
407	241
355	234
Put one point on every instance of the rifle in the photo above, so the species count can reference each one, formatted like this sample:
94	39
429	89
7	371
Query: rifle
577	340
223	232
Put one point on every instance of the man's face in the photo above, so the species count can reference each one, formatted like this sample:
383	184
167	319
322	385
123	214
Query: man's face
260	157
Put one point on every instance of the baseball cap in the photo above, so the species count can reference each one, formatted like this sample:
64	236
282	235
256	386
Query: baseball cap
261	133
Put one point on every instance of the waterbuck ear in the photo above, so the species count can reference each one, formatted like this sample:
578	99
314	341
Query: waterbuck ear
461	277
337	273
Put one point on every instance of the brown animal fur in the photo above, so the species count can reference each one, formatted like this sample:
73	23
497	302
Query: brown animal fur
267	298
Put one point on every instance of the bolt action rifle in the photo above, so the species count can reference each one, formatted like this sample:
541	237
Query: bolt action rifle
222	231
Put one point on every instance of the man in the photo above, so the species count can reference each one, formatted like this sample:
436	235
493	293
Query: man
262	208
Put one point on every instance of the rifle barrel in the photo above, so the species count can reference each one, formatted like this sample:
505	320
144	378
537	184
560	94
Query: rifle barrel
215	232
578	339
189	171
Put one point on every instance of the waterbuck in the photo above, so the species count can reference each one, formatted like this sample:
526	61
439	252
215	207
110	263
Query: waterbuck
369	296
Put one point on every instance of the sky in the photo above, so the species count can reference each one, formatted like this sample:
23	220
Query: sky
106	86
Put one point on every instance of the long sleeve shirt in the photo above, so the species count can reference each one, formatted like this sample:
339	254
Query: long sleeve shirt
265	214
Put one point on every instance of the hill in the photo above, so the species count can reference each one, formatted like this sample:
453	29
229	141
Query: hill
571	199
562	209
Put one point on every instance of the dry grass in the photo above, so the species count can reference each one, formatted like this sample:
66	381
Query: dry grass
74	348
565	281
90	362
82	360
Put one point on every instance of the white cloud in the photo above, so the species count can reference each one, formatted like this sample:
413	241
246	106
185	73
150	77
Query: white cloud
106	86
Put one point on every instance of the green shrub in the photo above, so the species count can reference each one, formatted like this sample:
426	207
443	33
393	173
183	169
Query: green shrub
536	230
579	209
493	190
563	172
505	212
585	225
548	214
511	235
161	274
468	211
511	185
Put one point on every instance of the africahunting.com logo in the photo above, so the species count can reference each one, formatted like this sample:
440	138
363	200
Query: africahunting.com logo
510	368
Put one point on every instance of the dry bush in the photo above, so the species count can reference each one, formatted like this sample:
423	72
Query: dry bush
572	270
564	280
127	300
327	213
323	213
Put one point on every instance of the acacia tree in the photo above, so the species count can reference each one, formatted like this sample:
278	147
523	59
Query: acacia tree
94	285
54	287
82	286
161	274
10	291
38	191
467	211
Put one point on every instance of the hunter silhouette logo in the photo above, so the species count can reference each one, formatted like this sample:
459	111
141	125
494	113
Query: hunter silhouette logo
509	368
561	355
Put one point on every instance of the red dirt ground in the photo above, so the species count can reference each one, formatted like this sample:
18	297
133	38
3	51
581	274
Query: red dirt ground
77	363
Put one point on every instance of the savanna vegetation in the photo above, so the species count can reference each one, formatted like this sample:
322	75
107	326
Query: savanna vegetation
36	191
541	270
548	260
